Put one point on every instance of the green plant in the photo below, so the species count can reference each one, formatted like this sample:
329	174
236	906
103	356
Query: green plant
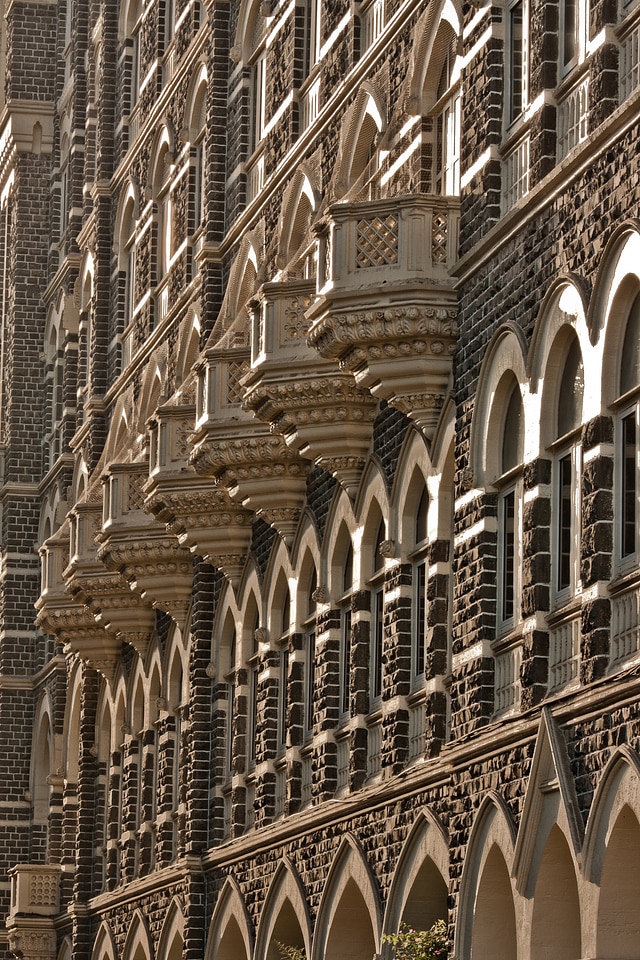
410	944
290	953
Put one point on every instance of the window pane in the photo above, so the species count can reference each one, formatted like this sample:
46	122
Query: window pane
282	718
569	31
516	65
311	671
507	537
512	435
345	661
377	633
420	628
630	362
571	391
563	558
629	493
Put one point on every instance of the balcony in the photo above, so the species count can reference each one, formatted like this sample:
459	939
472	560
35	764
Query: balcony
386	307
256	467
198	513
134	544
35	901
317	408
108	596
69	619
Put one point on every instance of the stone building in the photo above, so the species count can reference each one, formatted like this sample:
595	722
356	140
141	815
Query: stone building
319	478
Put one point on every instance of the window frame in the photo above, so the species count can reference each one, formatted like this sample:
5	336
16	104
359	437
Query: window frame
516	105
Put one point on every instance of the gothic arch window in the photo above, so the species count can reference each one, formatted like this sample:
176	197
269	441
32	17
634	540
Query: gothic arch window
562	410
126	261
257	60
342	584
54	374
359	161
104	736
511	432
130	32
446	120
417	505
628	445
161	190
197	127
298	209
85	334
226	708
567	470
374	537
176	689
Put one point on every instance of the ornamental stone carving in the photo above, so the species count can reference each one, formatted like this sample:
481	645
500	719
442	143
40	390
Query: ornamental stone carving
319	410
387	310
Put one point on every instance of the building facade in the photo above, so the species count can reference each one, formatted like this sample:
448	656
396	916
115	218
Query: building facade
319	478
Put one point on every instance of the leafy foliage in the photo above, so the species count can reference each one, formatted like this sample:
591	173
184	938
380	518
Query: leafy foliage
410	944
290	953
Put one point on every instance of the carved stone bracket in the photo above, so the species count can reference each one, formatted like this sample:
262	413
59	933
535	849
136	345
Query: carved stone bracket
259	471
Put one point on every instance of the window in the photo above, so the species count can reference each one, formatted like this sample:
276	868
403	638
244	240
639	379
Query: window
509	536
310	36
573	31
258	102
377	617
310	657
419	579
284	673
567	473
517	58
628	439
447	127
345	634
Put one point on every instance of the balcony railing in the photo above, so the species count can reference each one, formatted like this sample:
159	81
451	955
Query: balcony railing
625	617
573	115
564	652
507	679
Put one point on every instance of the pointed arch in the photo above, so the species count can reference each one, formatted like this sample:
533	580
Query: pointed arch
250	20
619	263
172	936
230	934
349	916
555	922
504	358
188	343
363	125
104	947
420	884
300	203
429	47
486	891
138	944
285	915
196	102
565	302
65	952
619	786
151	394
43	758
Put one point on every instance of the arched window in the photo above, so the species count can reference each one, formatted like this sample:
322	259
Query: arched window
420	564
162	197
127	275
509	519
446	112
376	584
131	35
624	633
629	381
568	470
